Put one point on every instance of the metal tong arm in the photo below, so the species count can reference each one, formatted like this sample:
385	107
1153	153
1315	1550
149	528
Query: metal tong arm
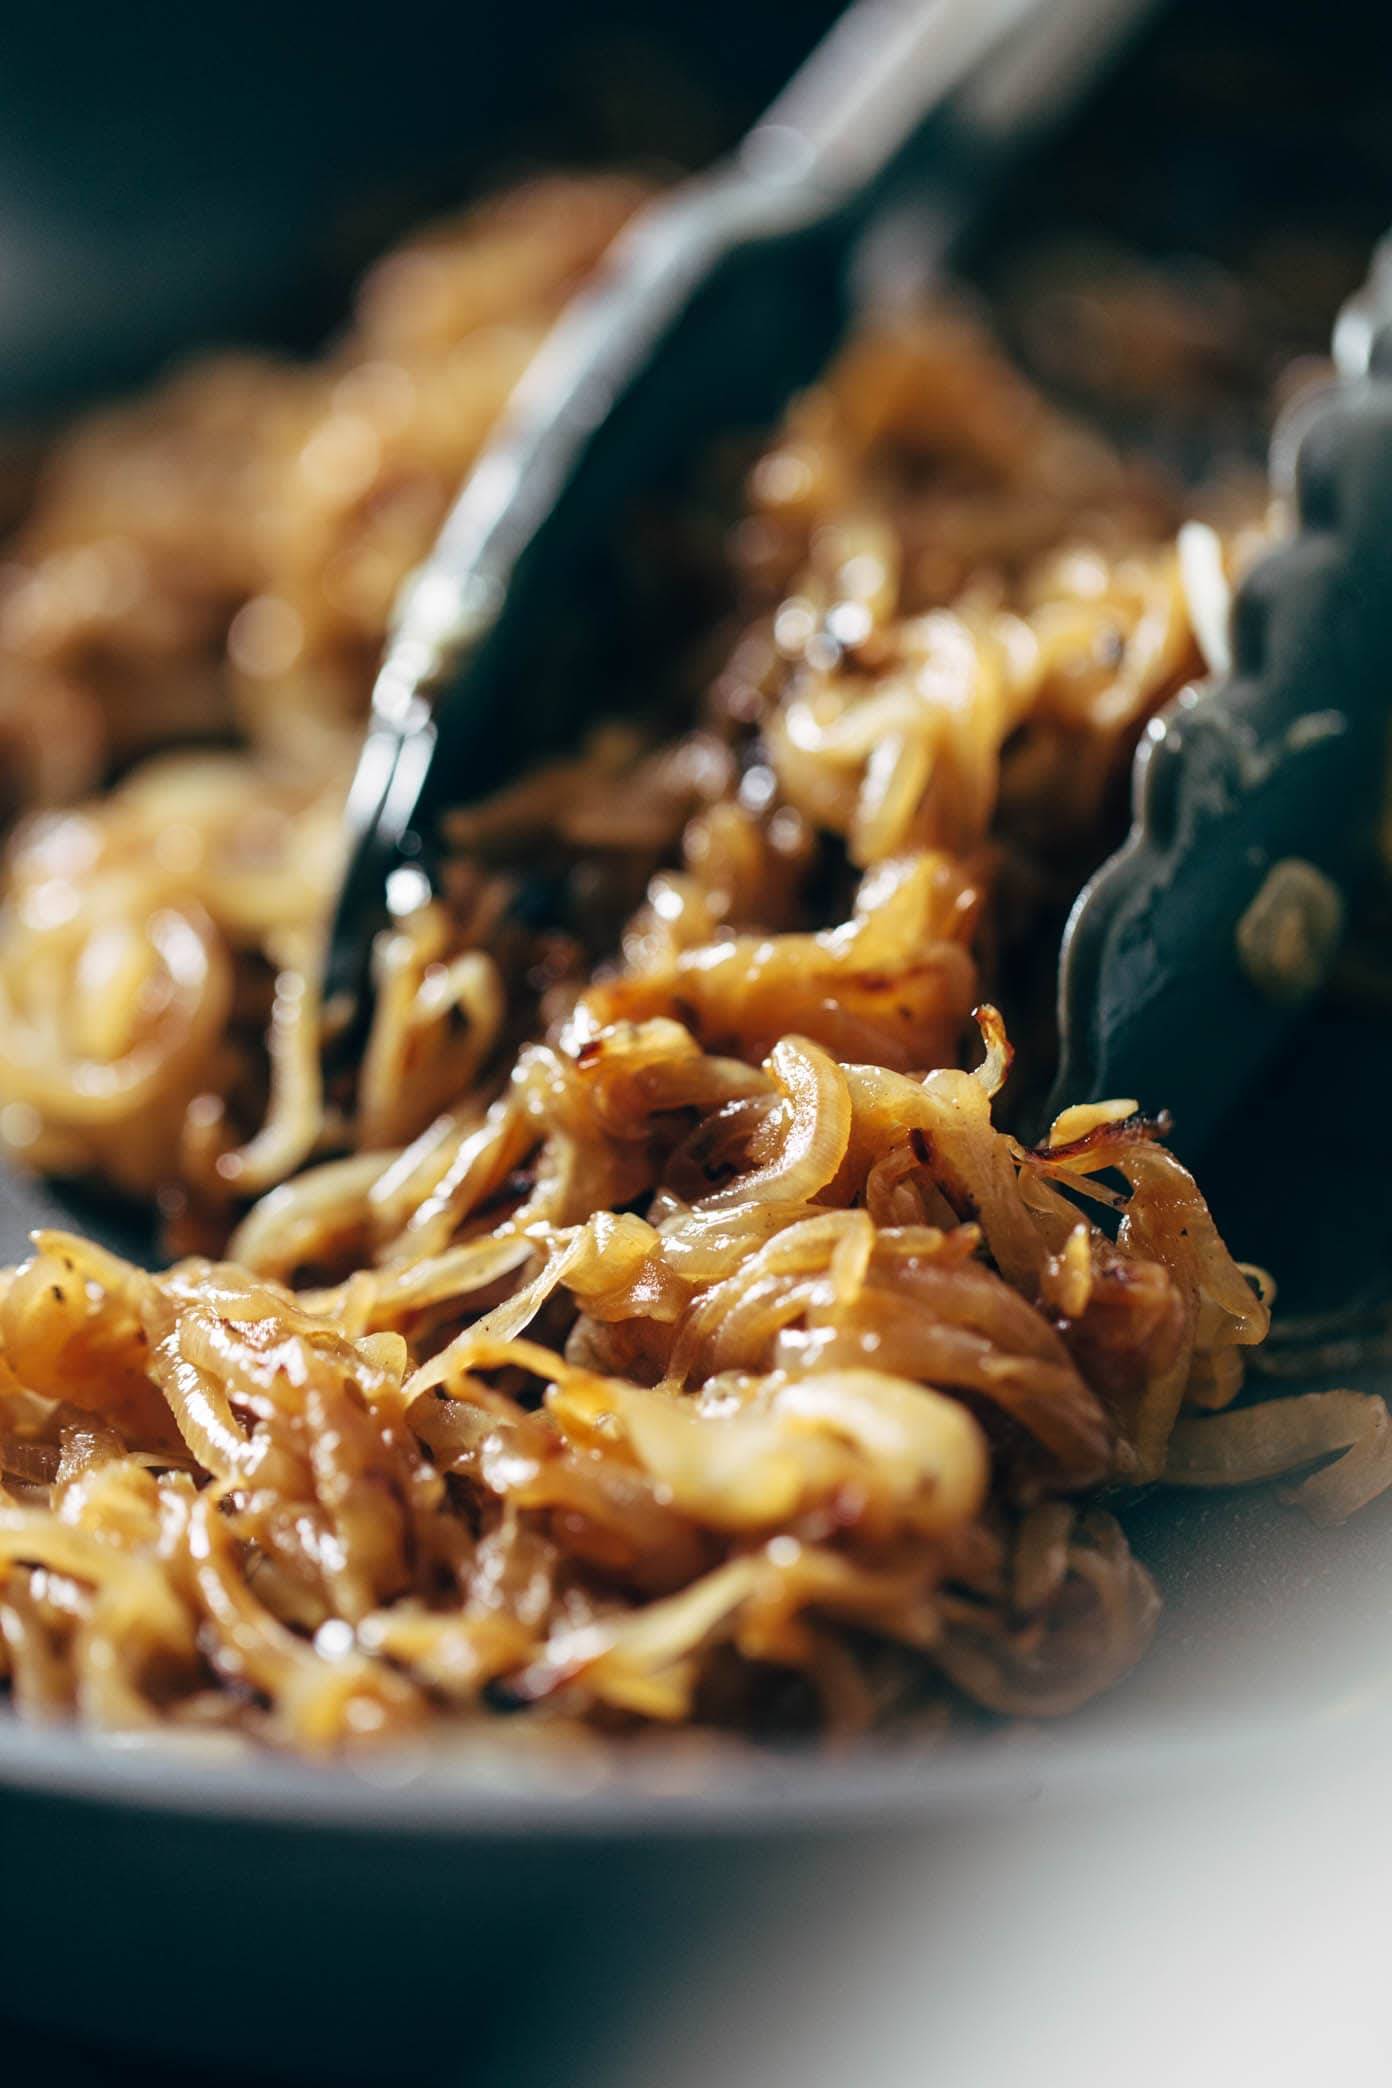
1256	794
712	307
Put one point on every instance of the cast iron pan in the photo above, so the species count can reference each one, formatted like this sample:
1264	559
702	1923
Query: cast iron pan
389	1918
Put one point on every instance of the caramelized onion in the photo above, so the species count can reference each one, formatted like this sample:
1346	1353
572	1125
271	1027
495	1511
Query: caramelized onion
660	1323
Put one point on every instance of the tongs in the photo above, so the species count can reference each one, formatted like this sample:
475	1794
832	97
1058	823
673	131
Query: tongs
1256	795
715	305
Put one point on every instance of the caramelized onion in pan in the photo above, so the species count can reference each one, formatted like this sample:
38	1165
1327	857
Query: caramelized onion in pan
664	1325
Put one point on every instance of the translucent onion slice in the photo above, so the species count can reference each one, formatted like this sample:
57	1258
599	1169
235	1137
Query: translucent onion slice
1280	1436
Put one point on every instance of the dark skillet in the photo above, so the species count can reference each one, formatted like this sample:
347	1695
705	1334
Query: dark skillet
265	1913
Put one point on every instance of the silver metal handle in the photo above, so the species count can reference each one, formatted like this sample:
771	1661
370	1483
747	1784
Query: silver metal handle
887	65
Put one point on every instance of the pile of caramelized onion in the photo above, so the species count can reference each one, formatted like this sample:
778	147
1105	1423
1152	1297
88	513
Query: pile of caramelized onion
660	1326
